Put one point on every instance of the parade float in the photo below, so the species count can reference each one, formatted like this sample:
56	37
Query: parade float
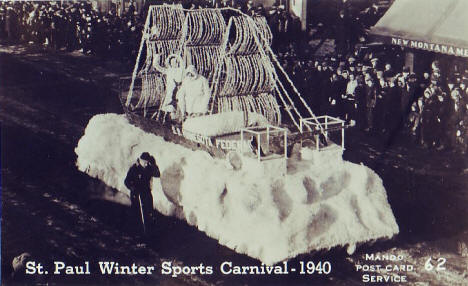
249	164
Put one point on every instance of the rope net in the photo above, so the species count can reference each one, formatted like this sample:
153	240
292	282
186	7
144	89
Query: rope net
230	49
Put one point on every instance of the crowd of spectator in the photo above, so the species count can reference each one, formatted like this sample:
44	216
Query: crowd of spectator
75	25
383	98
379	94
72	25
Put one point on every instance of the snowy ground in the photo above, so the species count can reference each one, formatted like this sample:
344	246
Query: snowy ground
258	211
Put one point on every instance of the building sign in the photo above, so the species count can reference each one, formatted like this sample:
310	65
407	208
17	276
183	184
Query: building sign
438	48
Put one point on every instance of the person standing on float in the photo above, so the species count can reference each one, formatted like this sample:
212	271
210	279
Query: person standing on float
174	71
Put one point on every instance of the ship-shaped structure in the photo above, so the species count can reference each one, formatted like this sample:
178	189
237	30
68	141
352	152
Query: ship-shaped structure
257	193
251	98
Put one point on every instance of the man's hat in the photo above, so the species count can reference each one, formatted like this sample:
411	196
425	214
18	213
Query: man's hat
174	56
145	156
406	69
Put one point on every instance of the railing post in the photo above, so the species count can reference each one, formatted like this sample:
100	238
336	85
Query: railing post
342	135
326	126
317	142
301	122
286	144
268	135
258	146
242	142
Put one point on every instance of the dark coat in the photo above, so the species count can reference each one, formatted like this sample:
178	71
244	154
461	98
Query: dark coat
455	108
138	178
371	96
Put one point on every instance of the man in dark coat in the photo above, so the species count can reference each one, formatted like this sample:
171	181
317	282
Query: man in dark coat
379	112
430	123
334	96
360	104
371	101
442	123
456	110
11	24
388	71
392	107
138	181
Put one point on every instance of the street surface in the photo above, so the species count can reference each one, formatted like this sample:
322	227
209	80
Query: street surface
56	213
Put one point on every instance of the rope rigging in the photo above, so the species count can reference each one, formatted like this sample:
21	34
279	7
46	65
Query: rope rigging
233	53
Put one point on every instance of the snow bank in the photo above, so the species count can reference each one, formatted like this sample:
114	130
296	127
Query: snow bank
264	214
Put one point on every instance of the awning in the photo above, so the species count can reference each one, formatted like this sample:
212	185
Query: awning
433	25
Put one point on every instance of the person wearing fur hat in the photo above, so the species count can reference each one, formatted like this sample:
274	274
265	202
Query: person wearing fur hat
194	94
174	70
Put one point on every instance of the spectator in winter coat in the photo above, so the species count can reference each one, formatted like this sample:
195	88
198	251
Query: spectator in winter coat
456	110
388	71
371	101
429	118
350	97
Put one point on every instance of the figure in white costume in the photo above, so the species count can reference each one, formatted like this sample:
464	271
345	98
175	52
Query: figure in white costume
194	94
174	71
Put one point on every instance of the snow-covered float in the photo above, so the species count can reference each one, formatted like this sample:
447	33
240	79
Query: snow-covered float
232	166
